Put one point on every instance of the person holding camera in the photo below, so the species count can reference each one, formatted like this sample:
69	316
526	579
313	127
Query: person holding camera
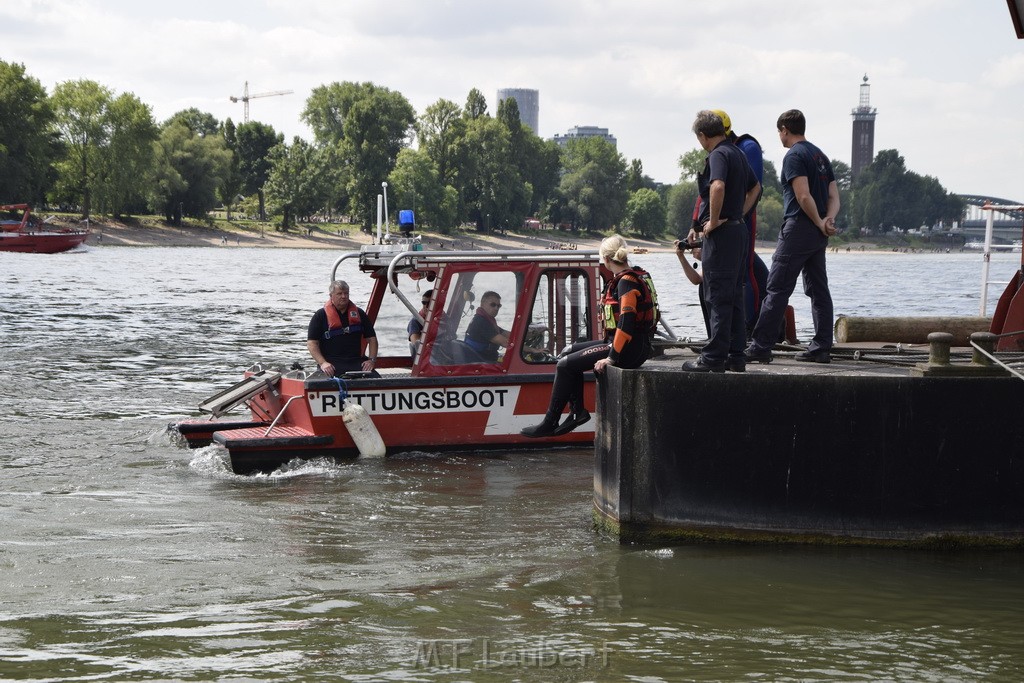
729	191
694	276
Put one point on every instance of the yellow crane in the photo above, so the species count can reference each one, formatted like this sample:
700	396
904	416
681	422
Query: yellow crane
246	97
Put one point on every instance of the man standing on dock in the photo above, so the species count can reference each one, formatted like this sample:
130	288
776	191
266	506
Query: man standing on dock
810	204
729	190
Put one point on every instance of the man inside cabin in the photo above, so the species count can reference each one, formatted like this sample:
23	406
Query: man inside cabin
336	333
484	335
415	326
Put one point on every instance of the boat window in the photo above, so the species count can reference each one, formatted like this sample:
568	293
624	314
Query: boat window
460	339
559	316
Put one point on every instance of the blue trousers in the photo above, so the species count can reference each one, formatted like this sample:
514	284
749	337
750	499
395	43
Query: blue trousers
801	249
724	259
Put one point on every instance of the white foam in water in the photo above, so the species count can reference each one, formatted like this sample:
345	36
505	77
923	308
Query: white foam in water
211	460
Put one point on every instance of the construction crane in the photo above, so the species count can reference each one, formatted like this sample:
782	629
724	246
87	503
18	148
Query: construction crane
246	97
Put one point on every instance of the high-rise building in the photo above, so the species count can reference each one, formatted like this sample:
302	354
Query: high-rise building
528	102
577	132
863	132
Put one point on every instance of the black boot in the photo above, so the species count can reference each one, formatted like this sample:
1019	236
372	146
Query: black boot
545	428
576	418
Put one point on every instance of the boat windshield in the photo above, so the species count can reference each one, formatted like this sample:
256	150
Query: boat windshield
559	315
480	309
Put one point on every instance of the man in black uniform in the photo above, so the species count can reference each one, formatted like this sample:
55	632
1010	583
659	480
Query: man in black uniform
336	332
728	190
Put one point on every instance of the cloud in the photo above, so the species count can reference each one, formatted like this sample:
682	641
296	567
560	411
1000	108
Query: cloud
640	68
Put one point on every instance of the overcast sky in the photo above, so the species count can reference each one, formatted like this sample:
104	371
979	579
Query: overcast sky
947	76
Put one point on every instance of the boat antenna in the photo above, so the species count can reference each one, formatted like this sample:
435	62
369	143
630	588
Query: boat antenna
387	223
380	199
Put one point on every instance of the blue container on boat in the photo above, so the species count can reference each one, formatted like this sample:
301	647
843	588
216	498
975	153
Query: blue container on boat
406	218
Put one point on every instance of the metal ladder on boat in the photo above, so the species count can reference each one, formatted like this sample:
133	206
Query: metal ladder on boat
222	402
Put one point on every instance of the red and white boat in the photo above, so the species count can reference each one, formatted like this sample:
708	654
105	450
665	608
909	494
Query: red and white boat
446	397
34	236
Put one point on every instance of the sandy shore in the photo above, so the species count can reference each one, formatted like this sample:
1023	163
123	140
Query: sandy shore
112	233
150	233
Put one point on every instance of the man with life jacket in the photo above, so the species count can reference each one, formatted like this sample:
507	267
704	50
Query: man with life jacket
484	335
336	333
728	188
630	313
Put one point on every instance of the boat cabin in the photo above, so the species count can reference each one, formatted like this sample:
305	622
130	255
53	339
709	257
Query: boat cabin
548	302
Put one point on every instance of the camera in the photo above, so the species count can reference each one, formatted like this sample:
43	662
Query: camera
683	245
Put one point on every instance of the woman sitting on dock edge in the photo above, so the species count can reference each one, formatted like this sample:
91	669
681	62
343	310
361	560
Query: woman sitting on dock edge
630	314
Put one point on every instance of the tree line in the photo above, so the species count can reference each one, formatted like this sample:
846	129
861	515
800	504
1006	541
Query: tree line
88	149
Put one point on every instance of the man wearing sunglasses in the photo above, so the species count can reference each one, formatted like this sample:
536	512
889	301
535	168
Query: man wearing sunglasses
415	327
484	335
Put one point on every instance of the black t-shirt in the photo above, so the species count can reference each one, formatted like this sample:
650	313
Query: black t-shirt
479	334
343	348
727	163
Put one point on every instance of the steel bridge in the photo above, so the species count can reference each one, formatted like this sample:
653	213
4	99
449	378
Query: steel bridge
1007	225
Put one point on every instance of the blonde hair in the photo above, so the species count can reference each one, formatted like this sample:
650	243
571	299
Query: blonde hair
614	249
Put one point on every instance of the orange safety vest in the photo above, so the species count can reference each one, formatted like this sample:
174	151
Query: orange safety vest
647	314
334	324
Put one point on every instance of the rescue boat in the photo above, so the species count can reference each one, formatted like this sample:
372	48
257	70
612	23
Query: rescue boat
28	235
445	396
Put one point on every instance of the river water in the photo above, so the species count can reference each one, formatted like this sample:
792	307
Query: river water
126	557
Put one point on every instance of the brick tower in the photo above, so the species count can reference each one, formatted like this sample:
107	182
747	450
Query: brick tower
863	131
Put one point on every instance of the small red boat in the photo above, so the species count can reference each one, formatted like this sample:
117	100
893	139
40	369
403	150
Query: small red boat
447	397
33	236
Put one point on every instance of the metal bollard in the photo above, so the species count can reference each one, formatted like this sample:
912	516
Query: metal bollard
987	341
938	348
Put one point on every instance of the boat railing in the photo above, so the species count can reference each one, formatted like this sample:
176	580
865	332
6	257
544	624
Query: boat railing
510	255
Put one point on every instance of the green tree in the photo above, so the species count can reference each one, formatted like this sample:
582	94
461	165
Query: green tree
593	188
886	195
369	124
28	148
189	169
769	207
769	216
681	198
298	184
646	213
253	142
201	123
81	119
439	130
770	179
231	187
476	105
126	161
494	193
541	169
416	184
692	163
537	161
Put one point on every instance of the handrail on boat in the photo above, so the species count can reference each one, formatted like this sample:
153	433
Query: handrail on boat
476	256
338	261
281	414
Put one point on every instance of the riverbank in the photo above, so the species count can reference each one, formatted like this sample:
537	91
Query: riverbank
149	232
223	234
